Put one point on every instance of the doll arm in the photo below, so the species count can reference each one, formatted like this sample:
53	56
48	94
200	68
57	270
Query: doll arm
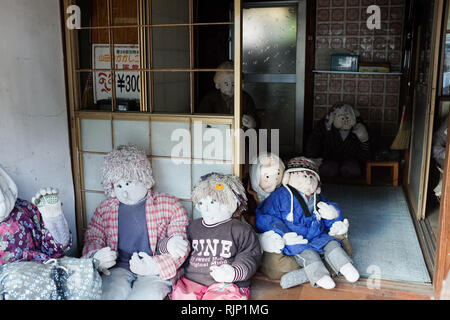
248	257
269	216
95	236
177	227
340	217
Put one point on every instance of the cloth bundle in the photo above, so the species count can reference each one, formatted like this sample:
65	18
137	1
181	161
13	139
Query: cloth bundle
58	279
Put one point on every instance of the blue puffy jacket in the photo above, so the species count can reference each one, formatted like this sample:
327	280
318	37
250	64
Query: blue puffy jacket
272	212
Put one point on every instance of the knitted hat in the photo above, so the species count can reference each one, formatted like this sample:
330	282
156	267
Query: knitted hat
302	164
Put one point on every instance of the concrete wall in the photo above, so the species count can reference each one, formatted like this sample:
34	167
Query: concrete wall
34	136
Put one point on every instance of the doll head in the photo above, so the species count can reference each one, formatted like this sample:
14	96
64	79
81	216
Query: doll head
218	197
127	174
342	116
303	175
224	80
8	195
266	174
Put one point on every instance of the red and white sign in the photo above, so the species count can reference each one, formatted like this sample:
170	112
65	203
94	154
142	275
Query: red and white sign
127	82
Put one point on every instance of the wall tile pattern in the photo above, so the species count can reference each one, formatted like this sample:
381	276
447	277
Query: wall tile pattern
342	24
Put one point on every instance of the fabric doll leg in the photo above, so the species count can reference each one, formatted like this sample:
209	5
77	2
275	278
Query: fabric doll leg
226	291
293	278
117	286
329	168
350	168
150	288
186	289
339	261
314	268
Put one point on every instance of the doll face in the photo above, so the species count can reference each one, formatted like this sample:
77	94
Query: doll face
226	84
213	211
304	181
343	120
129	192
270	178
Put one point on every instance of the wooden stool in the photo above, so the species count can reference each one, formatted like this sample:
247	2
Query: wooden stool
392	164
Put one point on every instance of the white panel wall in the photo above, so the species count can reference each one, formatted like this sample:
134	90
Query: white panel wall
34	136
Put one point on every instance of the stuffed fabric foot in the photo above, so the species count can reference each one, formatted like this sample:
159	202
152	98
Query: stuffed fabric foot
326	282
349	272
49	205
293	278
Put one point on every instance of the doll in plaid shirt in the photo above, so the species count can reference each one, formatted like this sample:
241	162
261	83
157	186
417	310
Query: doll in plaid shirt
137	235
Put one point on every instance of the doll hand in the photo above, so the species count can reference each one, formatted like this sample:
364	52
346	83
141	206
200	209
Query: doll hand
248	121
223	273
339	228
177	246
147	266
361	132
107	259
291	238
327	211
271	242
48	203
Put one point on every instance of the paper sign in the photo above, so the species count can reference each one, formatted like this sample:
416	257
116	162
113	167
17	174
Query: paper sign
127	82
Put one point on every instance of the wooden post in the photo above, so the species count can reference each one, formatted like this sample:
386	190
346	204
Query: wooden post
442	260
237	168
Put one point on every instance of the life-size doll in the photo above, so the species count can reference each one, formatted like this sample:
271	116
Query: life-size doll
138	236
342	141
305	225
31	231
221	100
225	252
265	174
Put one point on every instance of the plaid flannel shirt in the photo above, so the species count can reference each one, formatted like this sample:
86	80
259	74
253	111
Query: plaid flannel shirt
166	217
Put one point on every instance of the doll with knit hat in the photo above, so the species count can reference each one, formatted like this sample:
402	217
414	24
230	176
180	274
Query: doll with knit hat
307	225
225	252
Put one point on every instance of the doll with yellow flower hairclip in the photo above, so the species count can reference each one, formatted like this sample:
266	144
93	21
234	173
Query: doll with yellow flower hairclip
225	252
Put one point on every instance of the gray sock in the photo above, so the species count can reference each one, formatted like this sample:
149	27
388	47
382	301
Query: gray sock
293	278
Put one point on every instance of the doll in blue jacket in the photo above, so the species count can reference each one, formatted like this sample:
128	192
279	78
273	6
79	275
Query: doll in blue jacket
305	224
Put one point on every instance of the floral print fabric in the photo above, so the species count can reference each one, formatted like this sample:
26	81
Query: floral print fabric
23	236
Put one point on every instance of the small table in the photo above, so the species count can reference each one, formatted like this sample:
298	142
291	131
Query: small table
392	164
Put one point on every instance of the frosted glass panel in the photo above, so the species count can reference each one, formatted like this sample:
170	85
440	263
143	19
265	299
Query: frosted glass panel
92	164
161	139
212	141
188	206
277	103
136	132
92	200
170	47
171	178
269	40
170	11
199	169
96	135
171	92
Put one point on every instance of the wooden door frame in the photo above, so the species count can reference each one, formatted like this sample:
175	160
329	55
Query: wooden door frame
442	259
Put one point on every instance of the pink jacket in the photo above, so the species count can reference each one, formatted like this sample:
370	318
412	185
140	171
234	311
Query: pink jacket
166	217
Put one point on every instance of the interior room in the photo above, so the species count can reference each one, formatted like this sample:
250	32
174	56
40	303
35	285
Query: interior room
146	72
